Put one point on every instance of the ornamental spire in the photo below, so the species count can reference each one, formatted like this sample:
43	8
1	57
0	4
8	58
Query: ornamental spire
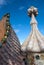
35	41
32	12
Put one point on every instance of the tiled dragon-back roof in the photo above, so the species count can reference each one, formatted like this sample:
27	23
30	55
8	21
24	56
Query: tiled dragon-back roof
10	49
2	26
35	41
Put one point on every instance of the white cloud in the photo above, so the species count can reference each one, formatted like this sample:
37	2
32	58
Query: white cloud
3	2
15	27
19	25
16	30
21	8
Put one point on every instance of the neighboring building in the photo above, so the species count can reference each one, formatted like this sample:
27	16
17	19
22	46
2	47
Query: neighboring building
33	46
10	49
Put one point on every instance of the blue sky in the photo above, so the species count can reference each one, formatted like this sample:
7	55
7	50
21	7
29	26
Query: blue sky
18	15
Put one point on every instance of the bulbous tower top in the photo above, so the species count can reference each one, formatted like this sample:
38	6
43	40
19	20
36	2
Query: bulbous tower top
32	10
35	41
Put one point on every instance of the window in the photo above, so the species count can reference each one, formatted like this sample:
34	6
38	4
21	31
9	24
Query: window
25	61
37	57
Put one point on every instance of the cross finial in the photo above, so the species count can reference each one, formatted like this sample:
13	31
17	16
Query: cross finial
32	10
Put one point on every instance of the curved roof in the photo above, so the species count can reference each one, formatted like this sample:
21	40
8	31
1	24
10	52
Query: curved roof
10	51
35	41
